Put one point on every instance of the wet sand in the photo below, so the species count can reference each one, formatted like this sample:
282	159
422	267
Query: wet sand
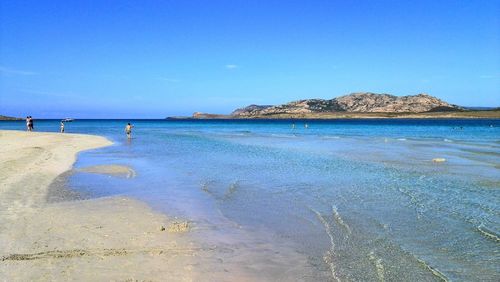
111	238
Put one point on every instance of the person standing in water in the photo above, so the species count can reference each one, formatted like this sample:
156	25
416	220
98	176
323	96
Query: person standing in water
128	130
30	123
62	126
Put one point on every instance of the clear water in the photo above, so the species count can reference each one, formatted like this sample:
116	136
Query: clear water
361	200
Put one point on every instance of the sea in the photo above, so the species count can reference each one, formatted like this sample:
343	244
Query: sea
355	199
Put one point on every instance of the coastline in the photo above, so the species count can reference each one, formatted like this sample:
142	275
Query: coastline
235	226
109	238
485	114
112	238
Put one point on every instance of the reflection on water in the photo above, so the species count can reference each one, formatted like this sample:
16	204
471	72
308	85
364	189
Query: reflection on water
340	200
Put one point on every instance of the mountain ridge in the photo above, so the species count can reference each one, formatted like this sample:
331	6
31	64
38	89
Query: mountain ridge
361	102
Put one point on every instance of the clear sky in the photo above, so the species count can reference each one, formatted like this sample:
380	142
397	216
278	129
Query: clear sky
152	59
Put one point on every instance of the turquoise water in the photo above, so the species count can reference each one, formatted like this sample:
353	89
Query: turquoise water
361	200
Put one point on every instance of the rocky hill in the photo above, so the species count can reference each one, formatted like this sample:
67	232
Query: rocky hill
353	103
250	109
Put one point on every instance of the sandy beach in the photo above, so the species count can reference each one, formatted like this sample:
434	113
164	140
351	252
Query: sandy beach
106	239
111	238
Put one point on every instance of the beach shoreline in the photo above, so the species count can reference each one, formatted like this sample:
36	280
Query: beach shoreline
302	218
114	238
484	114
108	238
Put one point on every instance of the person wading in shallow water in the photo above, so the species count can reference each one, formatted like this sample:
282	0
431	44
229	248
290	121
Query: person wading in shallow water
30	123
128	130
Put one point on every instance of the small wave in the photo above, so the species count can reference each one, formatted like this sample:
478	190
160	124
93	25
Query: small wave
490	234
210	187
205	187
402	139
328	259
112	169
433	270
447	140
283	135
339	220
237	133
230	191
331	137
378	265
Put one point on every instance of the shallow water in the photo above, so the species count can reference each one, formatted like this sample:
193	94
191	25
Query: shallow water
359	199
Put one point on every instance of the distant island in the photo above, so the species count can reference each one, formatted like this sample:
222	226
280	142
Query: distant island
357	105
9	118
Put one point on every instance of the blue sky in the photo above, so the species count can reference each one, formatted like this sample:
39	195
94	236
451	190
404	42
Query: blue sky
152	59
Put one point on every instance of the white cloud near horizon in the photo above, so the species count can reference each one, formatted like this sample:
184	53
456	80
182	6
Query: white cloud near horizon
10	71
50	94
489	76
168	79
231	67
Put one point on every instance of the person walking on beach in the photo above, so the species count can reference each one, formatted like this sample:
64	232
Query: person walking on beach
128	130
28	123
62	126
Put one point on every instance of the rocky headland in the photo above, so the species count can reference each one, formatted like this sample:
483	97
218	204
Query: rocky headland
354	103
358	105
